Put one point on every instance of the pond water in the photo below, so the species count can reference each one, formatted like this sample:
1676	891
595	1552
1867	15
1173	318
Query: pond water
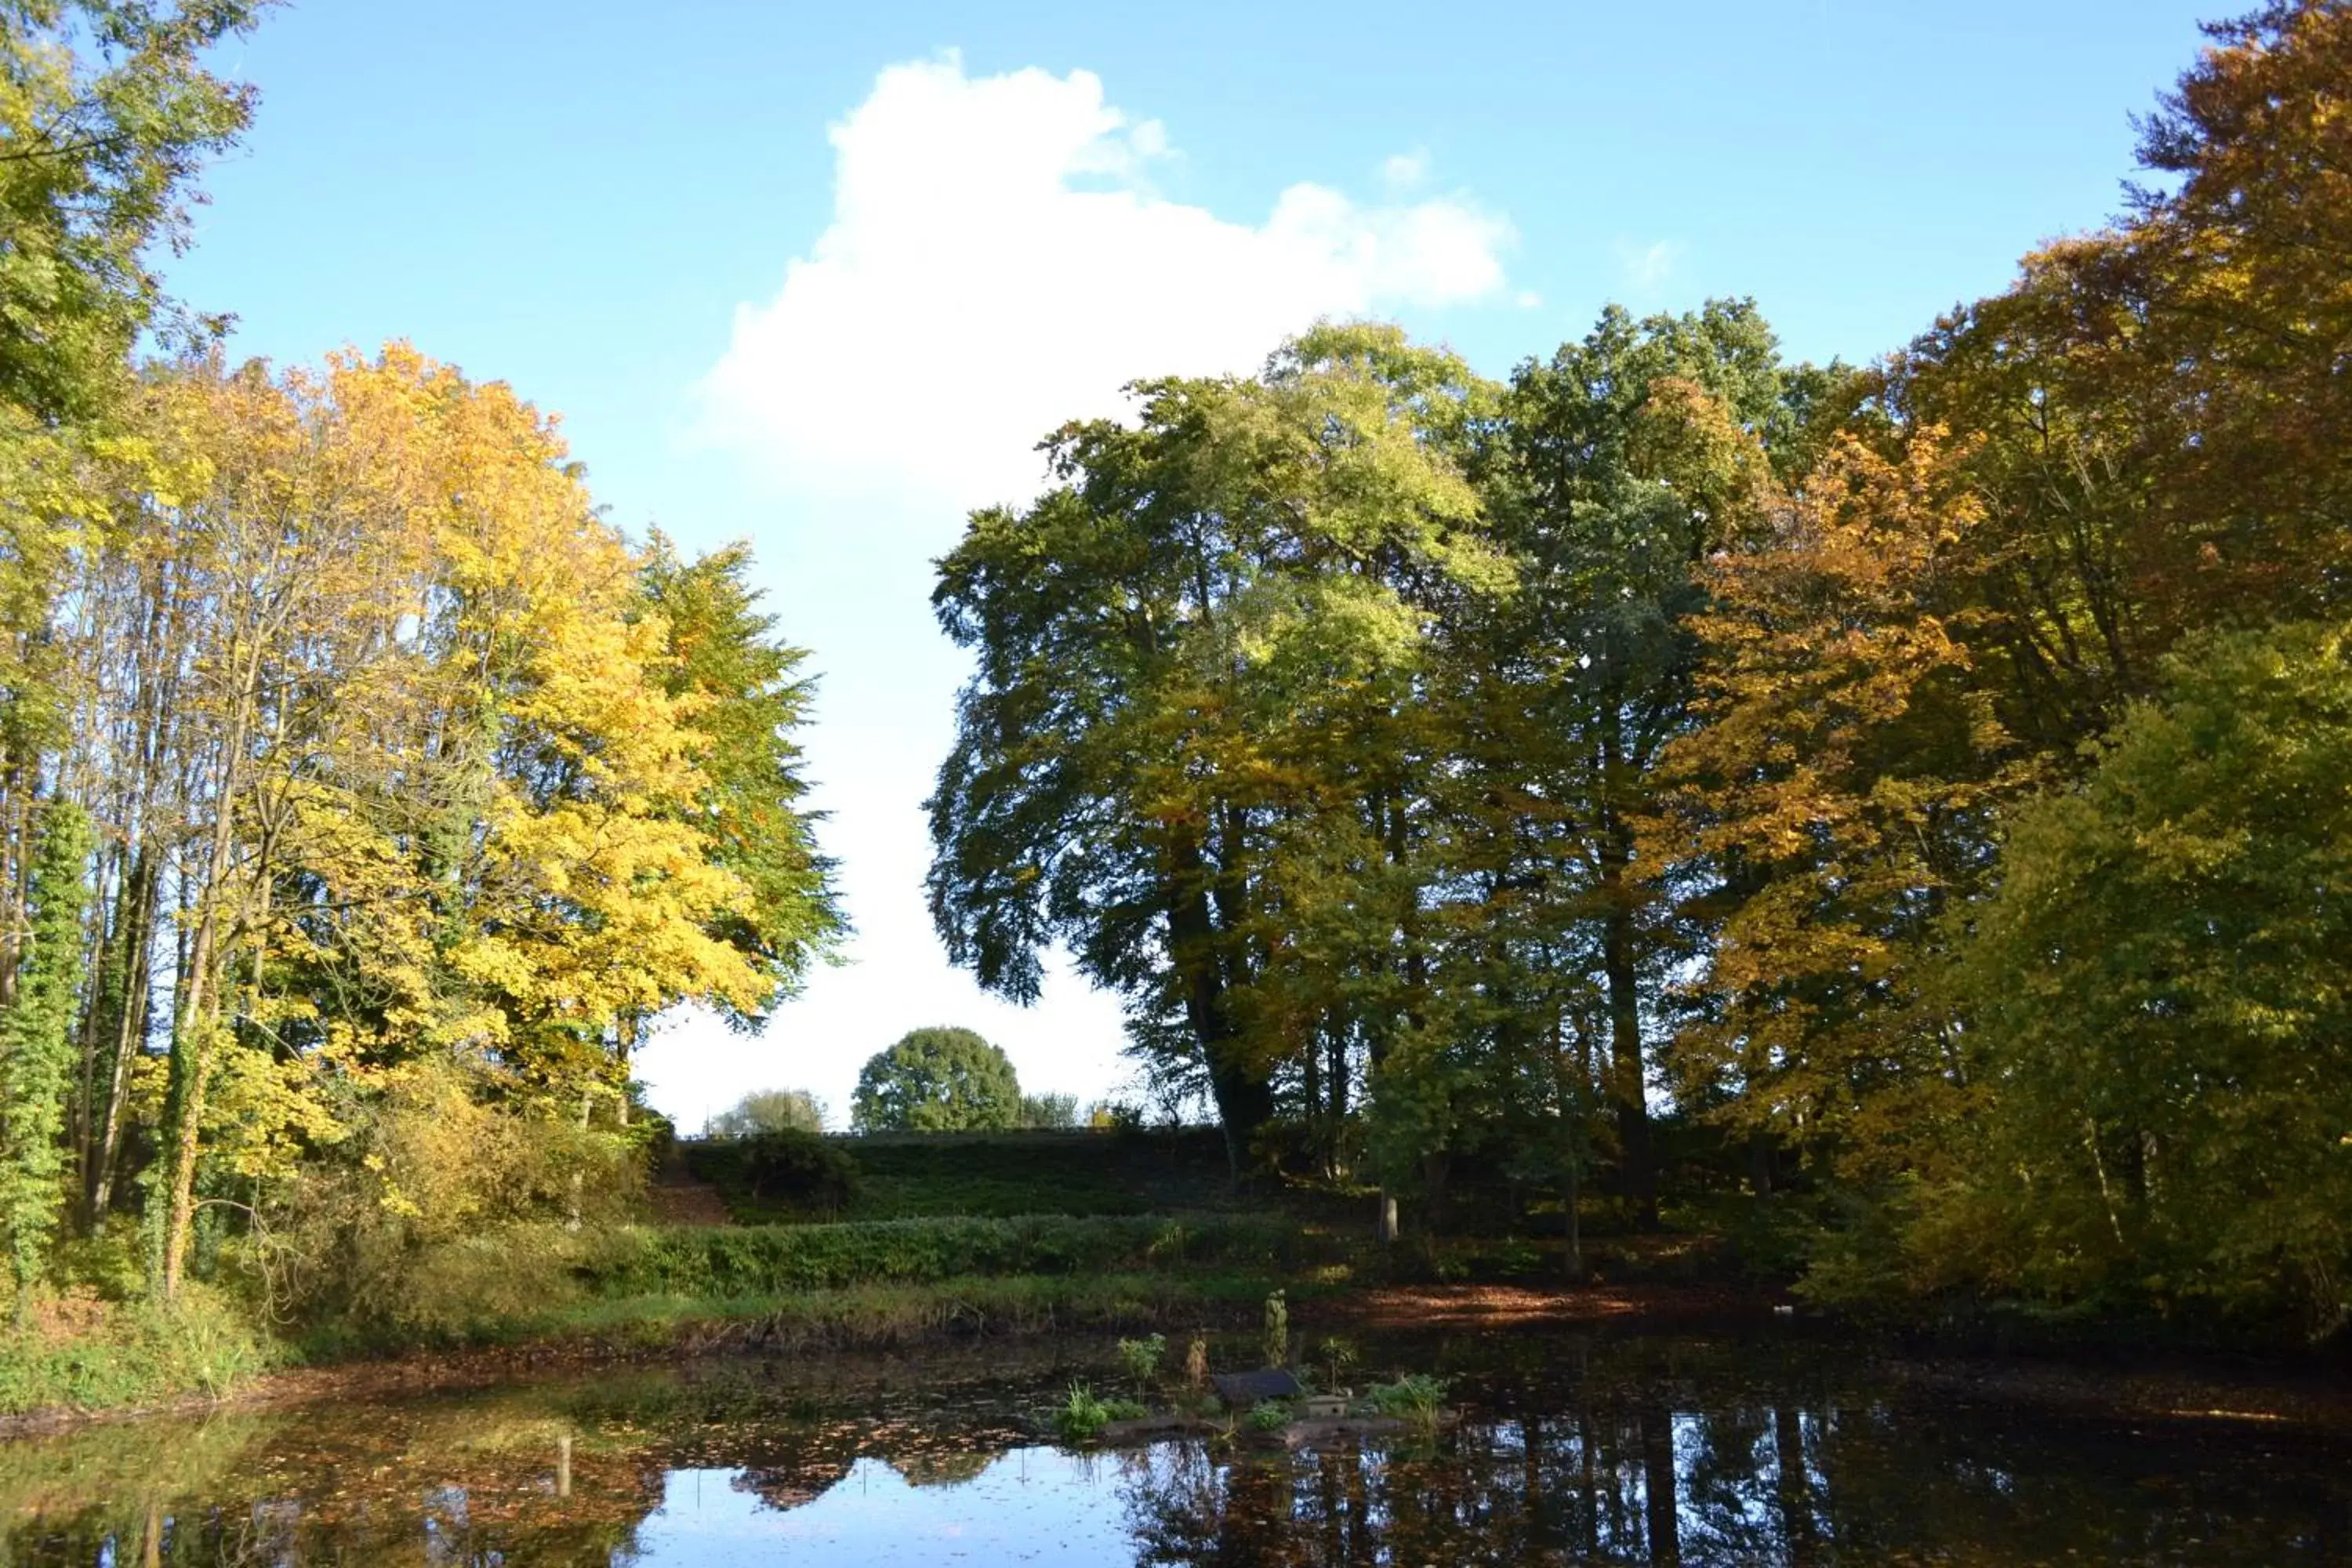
1571	1448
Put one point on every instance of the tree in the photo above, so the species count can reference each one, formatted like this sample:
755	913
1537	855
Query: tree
2160	1010
109	112
37	1045
1194	671
748	700
936	1080
770	1111
1618	467
1049	1110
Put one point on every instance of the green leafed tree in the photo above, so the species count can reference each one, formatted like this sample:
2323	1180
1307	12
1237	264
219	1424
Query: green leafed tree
108	108
1191	734
37	1044
937	1081
2159	1000
770	1111
750	699
1049	1110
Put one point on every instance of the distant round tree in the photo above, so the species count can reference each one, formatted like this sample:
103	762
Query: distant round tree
936	1080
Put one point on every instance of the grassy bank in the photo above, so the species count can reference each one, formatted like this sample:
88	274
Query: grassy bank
1104	1233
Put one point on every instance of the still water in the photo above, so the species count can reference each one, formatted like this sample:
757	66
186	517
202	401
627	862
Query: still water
1571	1448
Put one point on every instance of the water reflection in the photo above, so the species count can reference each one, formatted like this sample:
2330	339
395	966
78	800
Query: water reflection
1639	1451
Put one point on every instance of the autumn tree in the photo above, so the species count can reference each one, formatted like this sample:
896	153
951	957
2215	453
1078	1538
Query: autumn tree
1616	469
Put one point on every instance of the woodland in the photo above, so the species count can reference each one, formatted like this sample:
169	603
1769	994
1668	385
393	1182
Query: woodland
1912	799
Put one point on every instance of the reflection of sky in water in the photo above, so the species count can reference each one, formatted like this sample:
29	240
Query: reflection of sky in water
1032	1505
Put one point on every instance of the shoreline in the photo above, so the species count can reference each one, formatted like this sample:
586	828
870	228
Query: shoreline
2126	1385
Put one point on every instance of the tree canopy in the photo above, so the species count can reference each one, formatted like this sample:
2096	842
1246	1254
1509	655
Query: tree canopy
936	1080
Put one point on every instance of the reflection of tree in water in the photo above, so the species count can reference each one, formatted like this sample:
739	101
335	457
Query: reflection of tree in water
1640	1452
1630	1479
943	1466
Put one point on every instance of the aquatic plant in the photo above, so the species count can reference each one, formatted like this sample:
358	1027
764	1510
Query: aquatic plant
1412	1397
1082	1417
1141	1358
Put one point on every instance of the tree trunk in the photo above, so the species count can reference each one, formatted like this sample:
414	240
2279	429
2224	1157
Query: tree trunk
192	1040
1794	1488
1243	1093
1658	1498
1628	1080
137	944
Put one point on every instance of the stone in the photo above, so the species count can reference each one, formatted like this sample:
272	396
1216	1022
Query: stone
1242	1389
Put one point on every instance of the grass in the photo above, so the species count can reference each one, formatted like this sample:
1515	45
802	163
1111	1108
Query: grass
94	1355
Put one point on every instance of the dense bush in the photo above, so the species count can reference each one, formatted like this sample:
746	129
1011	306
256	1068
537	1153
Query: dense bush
792	1166
440	1211
768	1259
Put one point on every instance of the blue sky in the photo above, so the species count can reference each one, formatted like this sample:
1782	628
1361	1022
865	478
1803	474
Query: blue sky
818	276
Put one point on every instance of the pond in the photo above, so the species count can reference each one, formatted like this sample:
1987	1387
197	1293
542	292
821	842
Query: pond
1570	1447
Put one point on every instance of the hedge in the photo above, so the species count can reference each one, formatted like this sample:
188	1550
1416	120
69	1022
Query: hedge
727	1260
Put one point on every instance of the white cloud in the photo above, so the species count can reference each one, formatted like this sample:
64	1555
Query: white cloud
1405	171
999	261
1646	269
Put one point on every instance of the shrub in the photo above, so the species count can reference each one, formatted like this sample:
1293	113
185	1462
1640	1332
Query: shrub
87	1355
1269	1416
1141	1358
440	1211
1413	1397
793	1165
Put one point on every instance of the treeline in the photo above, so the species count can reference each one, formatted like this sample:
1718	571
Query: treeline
362	793
1934	776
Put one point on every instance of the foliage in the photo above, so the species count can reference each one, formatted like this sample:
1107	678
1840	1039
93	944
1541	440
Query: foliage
772	1259
1049	1110
800	1168
1268	1415
2157	990
770	1111
936	1080
1416	1396
110	110
36	1047
1141	1358
748	701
